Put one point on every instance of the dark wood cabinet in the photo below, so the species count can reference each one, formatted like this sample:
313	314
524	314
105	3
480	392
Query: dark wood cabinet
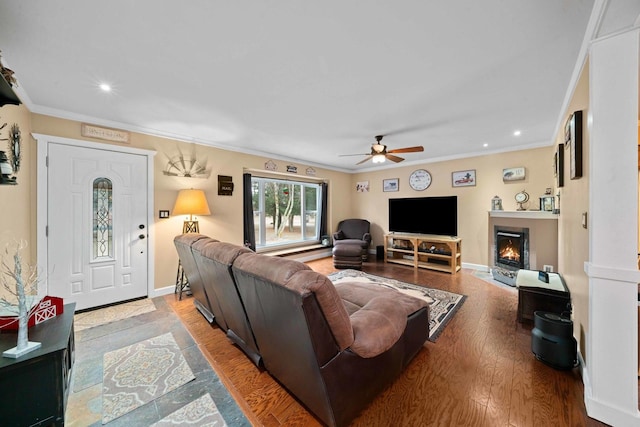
34	387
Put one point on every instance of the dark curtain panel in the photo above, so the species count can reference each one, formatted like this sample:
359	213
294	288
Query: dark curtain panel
249	231
323	209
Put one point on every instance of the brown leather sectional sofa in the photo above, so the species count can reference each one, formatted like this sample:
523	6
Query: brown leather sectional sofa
334	347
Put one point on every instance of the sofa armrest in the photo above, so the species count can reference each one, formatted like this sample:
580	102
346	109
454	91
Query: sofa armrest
377	326
367	237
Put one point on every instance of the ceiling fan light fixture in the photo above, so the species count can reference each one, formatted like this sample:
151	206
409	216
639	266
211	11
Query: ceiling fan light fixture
378	158
378	148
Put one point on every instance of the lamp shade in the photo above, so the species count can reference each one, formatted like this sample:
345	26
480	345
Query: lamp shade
191	202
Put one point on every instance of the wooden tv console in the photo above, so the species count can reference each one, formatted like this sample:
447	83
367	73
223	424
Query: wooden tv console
441	253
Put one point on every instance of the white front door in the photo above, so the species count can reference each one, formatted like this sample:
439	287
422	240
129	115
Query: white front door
97	225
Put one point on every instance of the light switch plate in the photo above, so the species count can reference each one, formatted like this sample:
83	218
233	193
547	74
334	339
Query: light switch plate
163	214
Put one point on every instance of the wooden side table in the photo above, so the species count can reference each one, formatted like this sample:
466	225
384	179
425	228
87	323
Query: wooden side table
36	385
535	294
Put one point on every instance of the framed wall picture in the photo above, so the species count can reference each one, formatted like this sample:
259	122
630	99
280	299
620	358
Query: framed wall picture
573	138
513	174
362	186
463	178
391	184
558	165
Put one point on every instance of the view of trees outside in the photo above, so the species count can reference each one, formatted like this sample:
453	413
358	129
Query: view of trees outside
285	211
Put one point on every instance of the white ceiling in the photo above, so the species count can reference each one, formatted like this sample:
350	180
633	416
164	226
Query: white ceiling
307	80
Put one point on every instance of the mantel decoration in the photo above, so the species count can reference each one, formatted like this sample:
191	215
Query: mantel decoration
496	203
547	201
23	287
186	166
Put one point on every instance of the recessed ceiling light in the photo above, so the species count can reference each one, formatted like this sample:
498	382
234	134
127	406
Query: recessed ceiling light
517	133
485	145
105	87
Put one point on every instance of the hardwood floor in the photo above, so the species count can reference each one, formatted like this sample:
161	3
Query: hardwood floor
479	372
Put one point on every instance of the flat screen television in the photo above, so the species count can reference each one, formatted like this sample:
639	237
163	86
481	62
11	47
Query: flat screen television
424	215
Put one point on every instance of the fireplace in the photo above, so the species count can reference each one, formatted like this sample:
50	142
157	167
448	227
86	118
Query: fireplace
511	253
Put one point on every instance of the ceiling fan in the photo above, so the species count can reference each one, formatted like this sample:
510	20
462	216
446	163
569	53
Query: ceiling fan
379	152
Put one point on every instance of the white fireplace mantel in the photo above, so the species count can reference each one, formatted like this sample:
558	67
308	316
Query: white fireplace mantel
524	214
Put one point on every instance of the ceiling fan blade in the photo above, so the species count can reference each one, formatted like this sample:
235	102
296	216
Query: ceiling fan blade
347	155
416	149
394	158
366	159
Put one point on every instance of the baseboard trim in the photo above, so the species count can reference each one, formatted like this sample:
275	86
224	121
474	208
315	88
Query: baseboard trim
601	411
479	267
159	292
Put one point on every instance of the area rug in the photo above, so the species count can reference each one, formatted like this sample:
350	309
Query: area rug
141	372
442	304
202	412
113	313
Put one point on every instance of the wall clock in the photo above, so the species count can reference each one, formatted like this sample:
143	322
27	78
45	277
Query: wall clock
420	179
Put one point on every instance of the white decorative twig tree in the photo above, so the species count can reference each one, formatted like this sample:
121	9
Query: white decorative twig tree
19	284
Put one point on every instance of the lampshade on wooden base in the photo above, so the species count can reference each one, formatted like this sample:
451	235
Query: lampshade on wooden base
191	202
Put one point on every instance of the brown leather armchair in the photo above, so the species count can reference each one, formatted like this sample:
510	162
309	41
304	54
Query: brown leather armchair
354	232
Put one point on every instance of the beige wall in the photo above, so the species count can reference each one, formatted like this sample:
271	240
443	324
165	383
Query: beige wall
16	216
574	201
473	202
225	222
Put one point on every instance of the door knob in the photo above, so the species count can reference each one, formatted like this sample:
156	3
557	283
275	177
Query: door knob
141	236
141	226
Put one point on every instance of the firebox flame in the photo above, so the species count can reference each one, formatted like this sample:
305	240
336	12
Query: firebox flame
510	251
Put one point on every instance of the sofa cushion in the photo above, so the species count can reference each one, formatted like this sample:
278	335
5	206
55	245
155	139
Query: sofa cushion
224	253
378	315
189	239
275	269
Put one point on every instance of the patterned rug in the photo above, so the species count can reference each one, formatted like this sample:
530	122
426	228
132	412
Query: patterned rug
142	372
202	412
113	313
442	304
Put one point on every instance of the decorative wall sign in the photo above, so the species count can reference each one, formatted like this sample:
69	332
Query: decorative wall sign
107	134
311	171
186	165
292	169
464	178
225	185
513	174
271	166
